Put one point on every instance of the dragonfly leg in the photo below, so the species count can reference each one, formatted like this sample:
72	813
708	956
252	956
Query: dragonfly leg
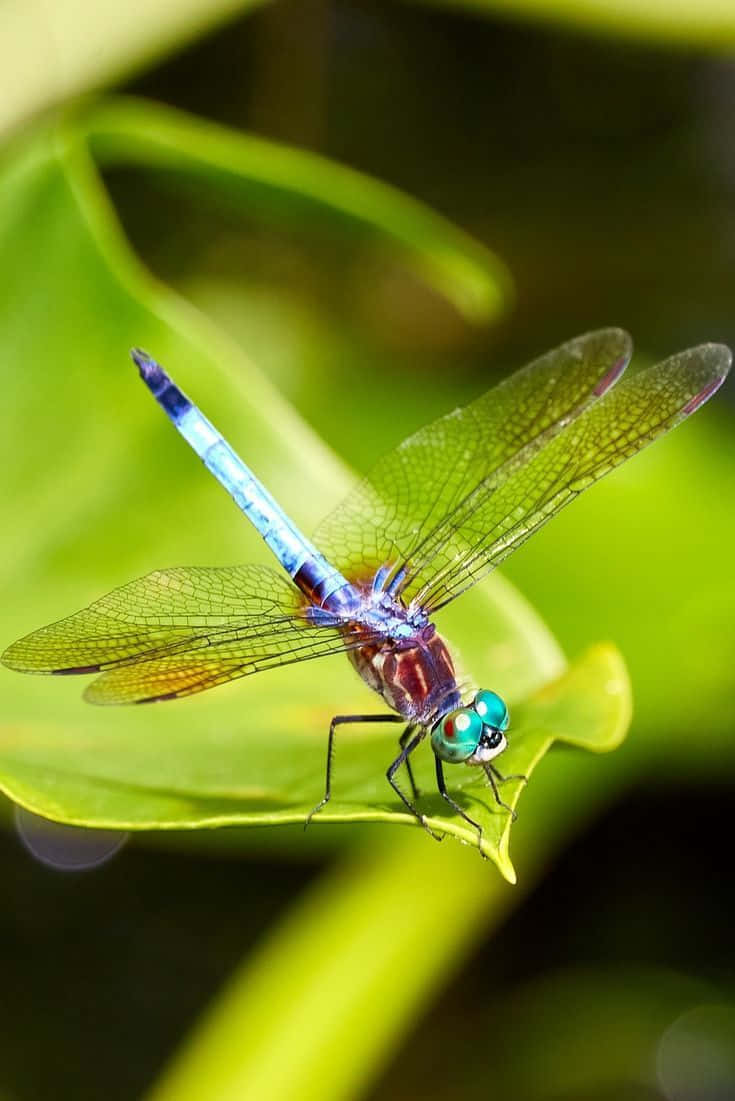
504	779
402	743
402	758
441	784
491	780
340	720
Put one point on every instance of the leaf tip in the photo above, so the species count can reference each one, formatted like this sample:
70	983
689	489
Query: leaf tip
501	856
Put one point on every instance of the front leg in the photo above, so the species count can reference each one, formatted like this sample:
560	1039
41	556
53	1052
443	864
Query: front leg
441	784
390	776
511	776
489	770
338	720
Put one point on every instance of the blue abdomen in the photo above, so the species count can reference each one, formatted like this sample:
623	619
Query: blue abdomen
322	583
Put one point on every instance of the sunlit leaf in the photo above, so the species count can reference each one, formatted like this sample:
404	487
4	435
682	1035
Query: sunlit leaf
51	51
268	768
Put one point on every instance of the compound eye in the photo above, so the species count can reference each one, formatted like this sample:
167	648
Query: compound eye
493	739
491	709
456	737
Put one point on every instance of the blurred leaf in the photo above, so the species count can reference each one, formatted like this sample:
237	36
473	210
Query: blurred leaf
605	1040
288	184
691	22
307	1017
357	960
51	51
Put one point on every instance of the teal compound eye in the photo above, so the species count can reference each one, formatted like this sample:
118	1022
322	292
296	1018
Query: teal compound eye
456	737
491	709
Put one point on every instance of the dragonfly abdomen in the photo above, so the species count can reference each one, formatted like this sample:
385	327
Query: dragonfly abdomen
310	570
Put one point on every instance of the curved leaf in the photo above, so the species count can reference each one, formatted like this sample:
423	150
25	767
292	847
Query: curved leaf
268	768
289	184
97	492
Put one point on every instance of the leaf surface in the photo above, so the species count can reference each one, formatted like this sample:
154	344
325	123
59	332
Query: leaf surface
100	490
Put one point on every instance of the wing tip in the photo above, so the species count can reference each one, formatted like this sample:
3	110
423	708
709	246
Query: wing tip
724	354
617	333
717	358
6	659
612	345
609	379
20	662
703	396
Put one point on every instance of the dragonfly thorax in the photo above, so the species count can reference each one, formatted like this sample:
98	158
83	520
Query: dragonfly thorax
414	675
383	614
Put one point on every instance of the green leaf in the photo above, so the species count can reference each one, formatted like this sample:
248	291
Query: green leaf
268	769
288	185
705	23
51	51
99	489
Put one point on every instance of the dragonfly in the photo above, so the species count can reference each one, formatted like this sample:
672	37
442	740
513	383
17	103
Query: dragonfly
432	519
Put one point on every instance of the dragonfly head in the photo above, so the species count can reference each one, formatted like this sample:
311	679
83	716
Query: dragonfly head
474	734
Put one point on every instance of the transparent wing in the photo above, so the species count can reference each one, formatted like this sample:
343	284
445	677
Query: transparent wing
487	528
179	631
456	498
400	513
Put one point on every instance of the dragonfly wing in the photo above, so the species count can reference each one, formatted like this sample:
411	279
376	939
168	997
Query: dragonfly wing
393	515
179	631
488	527
189	672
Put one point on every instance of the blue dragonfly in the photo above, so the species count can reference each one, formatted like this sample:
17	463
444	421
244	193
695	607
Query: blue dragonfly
433	518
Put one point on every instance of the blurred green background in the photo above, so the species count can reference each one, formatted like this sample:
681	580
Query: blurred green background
582	154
